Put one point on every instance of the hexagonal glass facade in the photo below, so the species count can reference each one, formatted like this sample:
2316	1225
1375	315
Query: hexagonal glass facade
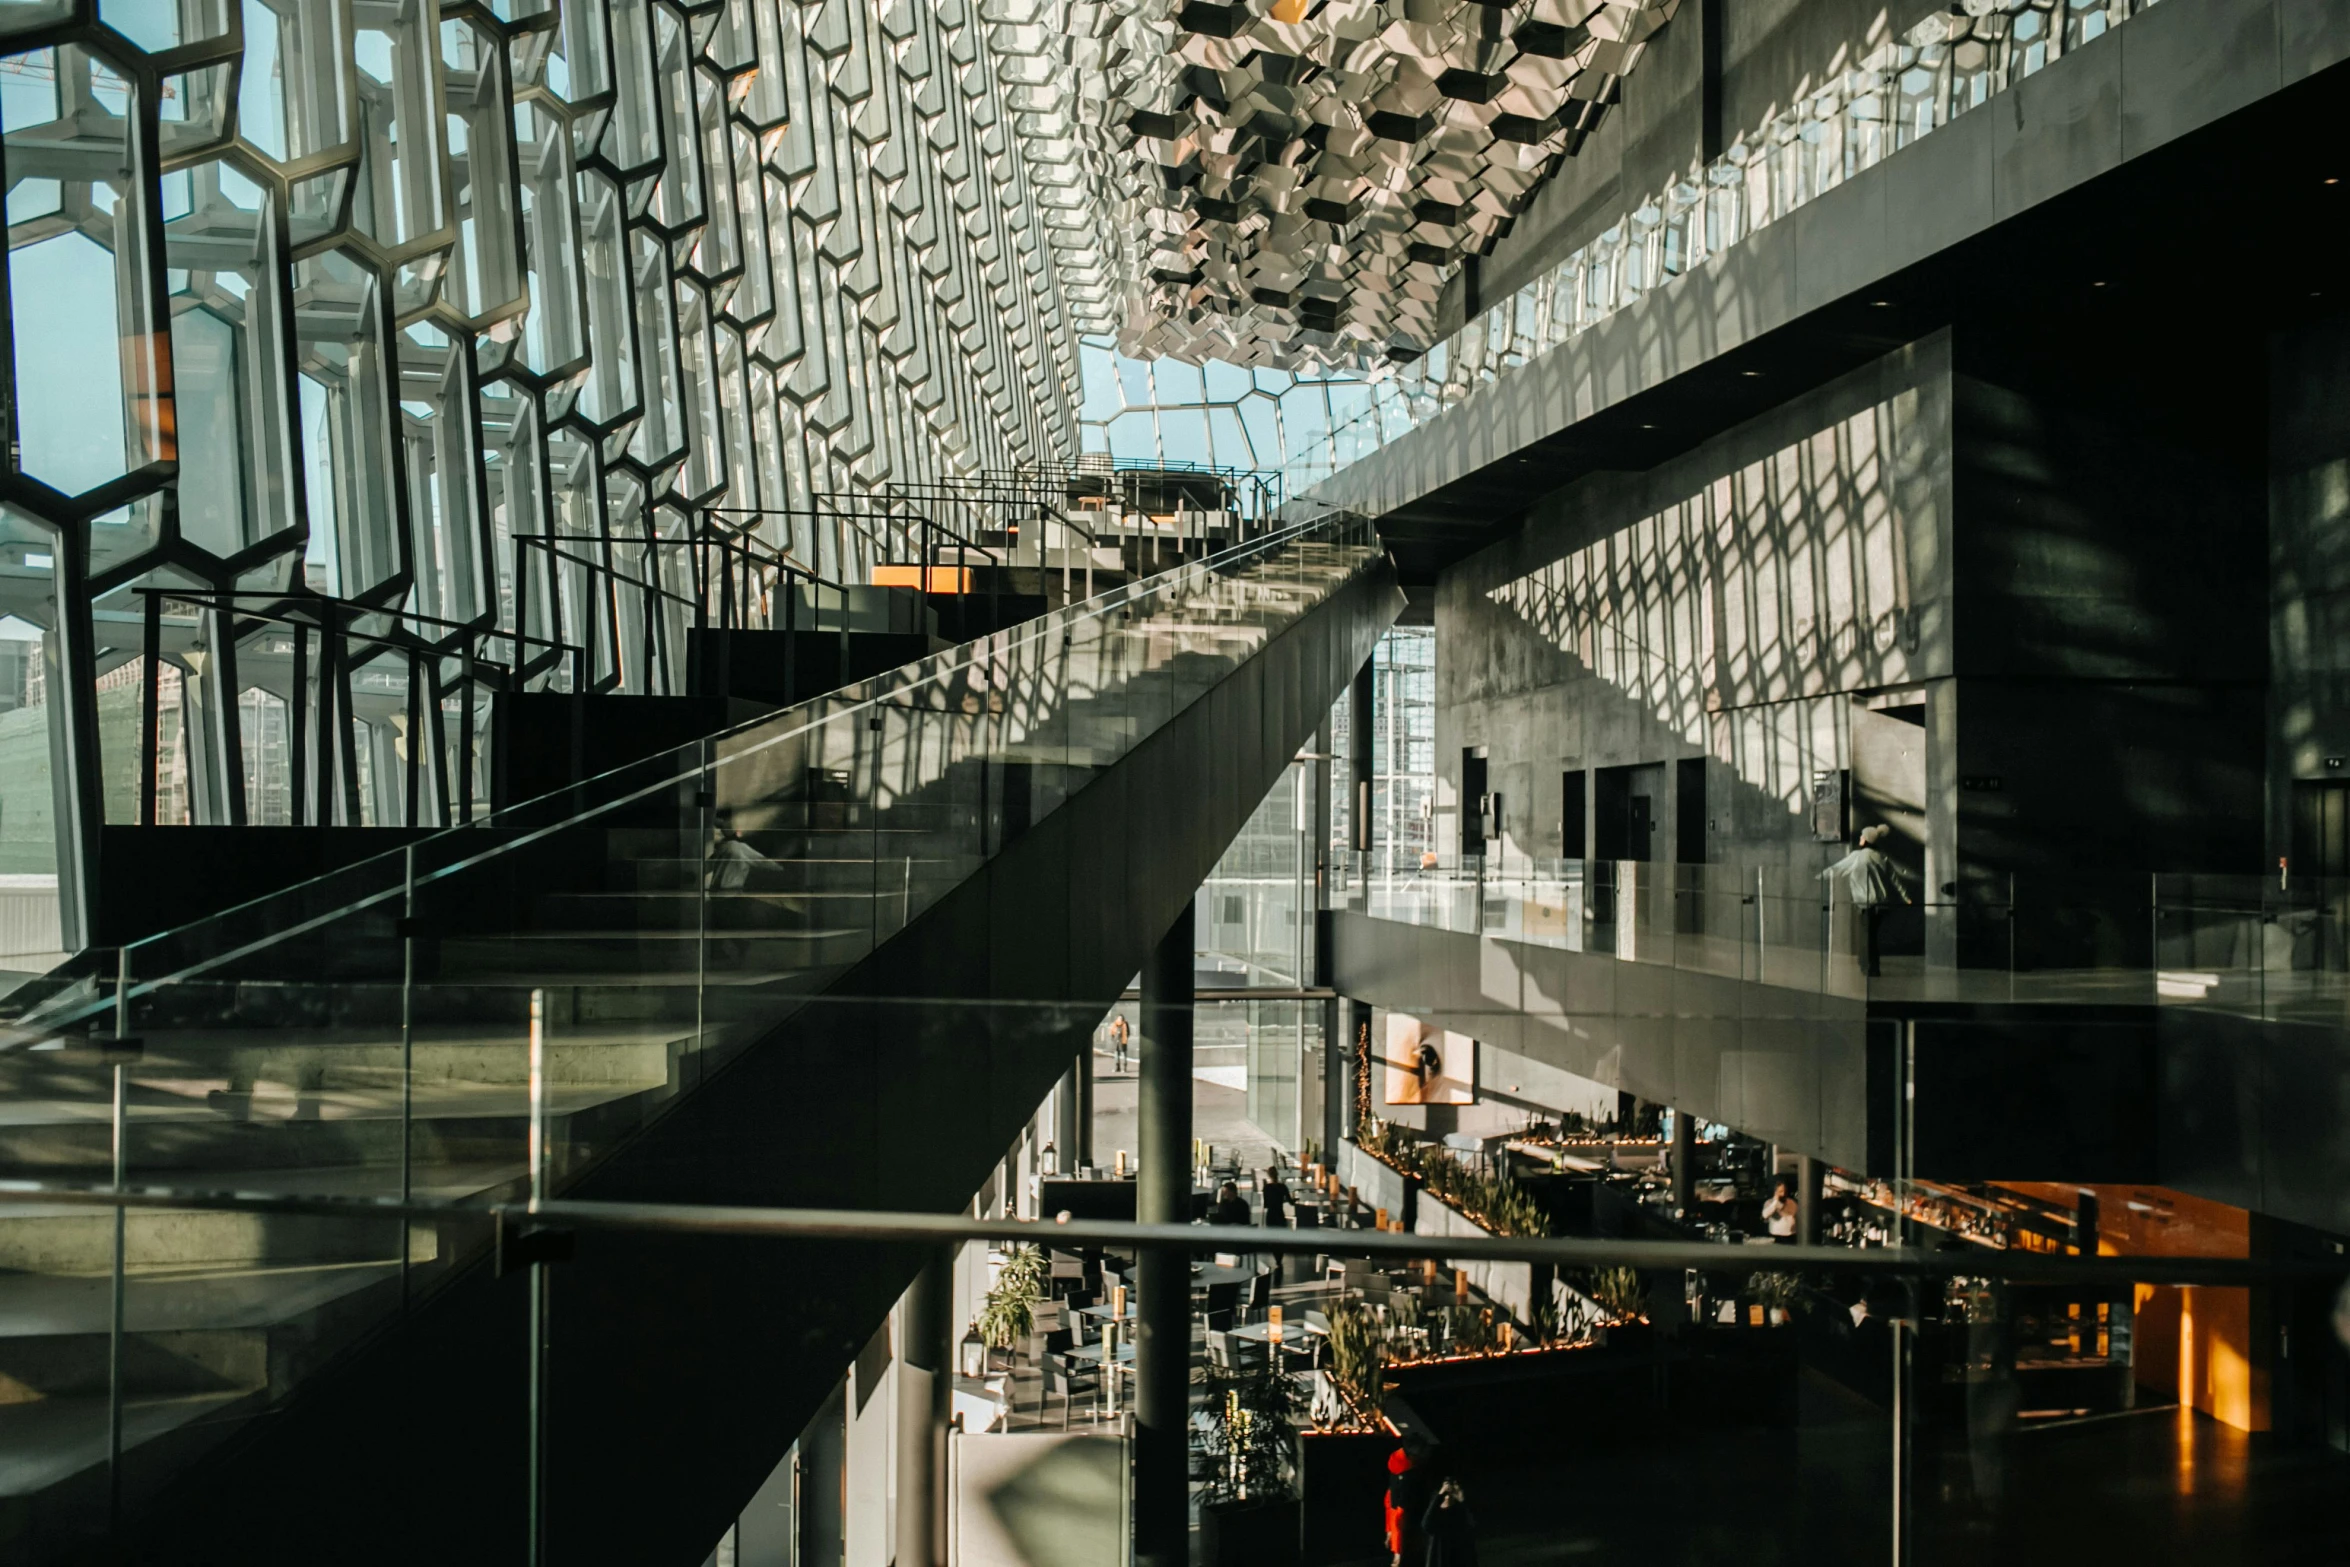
369	357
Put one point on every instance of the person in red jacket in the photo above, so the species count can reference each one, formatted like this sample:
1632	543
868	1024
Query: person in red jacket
1406	1499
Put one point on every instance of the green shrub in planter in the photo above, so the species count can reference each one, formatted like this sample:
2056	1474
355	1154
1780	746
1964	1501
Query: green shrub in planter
1250	1512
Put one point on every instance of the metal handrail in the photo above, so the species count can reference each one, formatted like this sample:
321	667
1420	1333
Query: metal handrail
329	617
899	1228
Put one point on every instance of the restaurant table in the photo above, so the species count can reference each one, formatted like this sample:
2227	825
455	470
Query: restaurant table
1093	1353
1204	1274
1292	1333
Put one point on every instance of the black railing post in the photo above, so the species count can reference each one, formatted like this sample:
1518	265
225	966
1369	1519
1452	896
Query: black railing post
323	722
151	711
298	722
791	637
413	772
465	731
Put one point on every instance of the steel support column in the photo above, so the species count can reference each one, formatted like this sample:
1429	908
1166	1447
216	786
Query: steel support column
1162	1402
926	1385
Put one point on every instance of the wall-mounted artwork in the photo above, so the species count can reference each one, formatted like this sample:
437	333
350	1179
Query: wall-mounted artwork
1427	1065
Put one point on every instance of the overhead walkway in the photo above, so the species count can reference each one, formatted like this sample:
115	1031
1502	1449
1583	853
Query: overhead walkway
2129	1029
835	956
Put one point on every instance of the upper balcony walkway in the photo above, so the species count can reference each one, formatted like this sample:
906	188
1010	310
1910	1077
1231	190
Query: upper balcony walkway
2126	154
2181	1029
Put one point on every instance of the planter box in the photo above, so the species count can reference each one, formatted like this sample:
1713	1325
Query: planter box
1241	1534
1343	1475
1378	1185
1510	1284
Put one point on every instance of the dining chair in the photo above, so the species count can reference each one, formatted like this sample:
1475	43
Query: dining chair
1063	1378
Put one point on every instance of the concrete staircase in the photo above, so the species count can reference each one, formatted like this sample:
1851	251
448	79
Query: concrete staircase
290	1072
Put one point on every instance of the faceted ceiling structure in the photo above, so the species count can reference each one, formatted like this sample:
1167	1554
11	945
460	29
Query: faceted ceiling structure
1300	177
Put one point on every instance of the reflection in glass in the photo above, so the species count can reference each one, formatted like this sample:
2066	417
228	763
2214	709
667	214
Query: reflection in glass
93	383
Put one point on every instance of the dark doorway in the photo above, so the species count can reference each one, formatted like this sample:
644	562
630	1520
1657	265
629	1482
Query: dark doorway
1574	816
2321	827
1624	811
1689	810
1473	793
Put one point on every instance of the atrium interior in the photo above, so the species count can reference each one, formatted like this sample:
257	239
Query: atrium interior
1130	783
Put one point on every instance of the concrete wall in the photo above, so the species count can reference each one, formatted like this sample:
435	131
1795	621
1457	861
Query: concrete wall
2178	68
2110	585
1726	605
1771	53
2308	565
1787	1066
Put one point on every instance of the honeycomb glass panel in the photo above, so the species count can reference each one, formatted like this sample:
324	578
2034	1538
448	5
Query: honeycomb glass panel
92	378
704	473
677	198
610	393
399	200
228	335
157	25
554	334
661	433
486	279
752	299
578	555
33	940
516	495
344	414
719	252
293	96
194	111
632	139
437	440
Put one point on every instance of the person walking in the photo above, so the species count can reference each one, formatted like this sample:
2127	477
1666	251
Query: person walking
1276	1194
1451	1530
1402	1506
1874	882
1119	1033
731	859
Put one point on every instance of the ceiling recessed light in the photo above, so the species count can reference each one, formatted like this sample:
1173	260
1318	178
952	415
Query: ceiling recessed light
2100	283
2334	181
1882	304
1751	375
1648	427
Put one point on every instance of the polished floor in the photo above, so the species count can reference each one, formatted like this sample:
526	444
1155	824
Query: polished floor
2157	1487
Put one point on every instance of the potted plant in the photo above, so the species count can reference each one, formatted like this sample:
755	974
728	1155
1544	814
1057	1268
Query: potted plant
1776	1293
1357	1349
1249	1515
1008	1313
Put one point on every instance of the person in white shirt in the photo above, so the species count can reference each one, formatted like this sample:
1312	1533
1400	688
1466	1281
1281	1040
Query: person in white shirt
1874	881
1783	1212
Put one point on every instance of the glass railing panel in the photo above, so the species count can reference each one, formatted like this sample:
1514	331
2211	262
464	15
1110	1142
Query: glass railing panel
852	813
1764	174
1956	1369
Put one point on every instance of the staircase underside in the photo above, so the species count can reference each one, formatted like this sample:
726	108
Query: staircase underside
682	1368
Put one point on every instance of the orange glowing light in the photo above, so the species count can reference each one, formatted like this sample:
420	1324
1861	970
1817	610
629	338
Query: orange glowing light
940	579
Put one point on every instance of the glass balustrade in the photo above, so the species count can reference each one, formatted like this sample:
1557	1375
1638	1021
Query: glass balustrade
490	1010
2248	946
1949	1373
1850	119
